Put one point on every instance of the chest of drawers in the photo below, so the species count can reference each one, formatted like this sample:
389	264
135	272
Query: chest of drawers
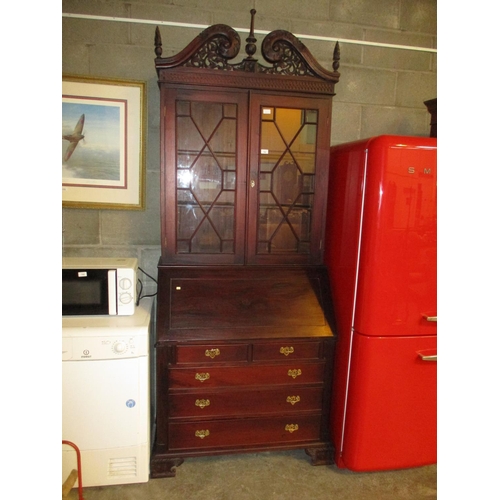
242	370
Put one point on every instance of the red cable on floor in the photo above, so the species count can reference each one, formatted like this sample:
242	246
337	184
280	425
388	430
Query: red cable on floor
79	467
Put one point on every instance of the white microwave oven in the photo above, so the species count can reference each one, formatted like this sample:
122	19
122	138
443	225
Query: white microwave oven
99	286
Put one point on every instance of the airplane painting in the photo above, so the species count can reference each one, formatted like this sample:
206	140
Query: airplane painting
74	138
93	142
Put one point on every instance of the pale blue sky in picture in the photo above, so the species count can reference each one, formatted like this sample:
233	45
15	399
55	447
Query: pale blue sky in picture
97	156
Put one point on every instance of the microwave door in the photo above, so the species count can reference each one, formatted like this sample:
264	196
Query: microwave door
87	292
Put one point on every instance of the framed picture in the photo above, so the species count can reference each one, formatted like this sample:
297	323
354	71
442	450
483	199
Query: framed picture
103	143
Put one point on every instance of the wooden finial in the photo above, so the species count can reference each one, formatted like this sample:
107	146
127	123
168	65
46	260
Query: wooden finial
158	49
250	47
336	57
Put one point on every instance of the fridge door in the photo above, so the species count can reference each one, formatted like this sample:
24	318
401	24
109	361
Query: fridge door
391	413
396	292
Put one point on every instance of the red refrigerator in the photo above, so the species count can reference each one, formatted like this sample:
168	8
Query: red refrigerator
381	252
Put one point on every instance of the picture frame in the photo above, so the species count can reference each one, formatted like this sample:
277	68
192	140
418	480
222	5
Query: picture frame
103	143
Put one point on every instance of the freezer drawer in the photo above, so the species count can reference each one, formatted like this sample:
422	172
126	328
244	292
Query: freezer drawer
391	411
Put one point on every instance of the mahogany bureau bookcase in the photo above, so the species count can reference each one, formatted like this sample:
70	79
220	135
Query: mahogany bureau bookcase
245	330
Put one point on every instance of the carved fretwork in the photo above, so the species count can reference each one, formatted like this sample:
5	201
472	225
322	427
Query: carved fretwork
208	56
214	47
290	64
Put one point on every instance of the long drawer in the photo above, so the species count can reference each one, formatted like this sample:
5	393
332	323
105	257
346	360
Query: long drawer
201	404
242	352
286	374
241	432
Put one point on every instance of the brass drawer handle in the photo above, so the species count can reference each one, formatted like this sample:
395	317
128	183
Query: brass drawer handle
293	399
286	350
202	376
294	373
202	434
201	403
291	427
211	353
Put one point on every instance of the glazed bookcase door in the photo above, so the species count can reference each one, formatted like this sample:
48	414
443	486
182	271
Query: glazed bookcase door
204	155
288	174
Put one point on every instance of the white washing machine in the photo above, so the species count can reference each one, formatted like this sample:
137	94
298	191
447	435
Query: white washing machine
106	396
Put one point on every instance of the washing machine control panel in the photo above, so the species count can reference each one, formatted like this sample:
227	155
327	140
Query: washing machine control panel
93	348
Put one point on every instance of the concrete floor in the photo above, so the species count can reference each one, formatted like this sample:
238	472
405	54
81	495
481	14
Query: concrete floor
272	476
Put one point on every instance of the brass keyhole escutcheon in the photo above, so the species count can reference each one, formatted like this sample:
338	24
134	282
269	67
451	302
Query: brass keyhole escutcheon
294	373
291	427
286	350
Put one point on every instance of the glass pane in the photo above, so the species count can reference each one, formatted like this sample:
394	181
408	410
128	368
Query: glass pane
229	180
206	239
222	218
206	181
207	116
271	143
227	162
224	137
308	183
265	181
308	137
183	108
305	201
267	113
303	149
230	110
311	116
185	160
286	179
267	200
284	239
206	177
184	178
266	165
182	246
270	220
188	219
287	182
289	122
188	137
185	197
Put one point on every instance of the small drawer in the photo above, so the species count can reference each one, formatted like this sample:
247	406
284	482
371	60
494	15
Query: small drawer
202	404
208	434
247	375
211	353
288	349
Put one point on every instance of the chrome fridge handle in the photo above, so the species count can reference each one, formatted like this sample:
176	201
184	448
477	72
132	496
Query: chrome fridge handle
424	357
431	318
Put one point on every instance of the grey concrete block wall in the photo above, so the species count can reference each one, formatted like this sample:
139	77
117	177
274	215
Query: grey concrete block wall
381	90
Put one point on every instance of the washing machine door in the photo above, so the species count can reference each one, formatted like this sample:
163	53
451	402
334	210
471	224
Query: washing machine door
103	402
